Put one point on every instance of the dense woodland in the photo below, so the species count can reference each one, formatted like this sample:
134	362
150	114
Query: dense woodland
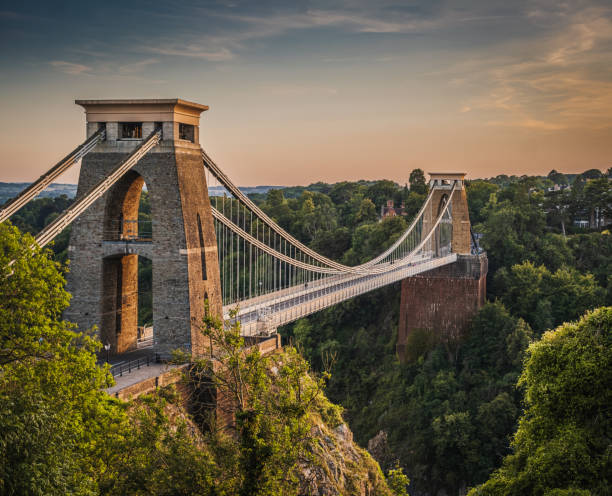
449	416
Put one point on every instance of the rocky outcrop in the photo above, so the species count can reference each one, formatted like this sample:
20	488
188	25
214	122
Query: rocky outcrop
338	466
329	463
378	447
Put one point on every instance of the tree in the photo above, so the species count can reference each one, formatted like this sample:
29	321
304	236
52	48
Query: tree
366	212
332	244
371	239
37	214
478	194
513	227
316	213
60	432
592	174
417	181
397	481
342	192
557	205
413	204
278	208
593	253
598	200
380	192
50	386
461	413
557	178
554	252
562	443
270	399
545	299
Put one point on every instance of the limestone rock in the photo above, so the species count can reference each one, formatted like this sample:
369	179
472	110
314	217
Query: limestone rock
338	466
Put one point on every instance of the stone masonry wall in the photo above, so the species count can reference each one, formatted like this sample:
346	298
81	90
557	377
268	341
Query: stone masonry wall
461	241
442	301
175	179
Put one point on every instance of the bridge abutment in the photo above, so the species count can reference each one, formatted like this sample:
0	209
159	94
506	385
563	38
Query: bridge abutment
438	306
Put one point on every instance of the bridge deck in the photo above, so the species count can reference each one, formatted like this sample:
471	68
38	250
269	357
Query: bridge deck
279	308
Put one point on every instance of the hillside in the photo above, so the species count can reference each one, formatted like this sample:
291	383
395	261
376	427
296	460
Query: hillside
11	190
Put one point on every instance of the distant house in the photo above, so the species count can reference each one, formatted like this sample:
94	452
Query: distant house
582	223
558	187
389	210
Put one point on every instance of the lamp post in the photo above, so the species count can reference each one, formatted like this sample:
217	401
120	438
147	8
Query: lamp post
107	348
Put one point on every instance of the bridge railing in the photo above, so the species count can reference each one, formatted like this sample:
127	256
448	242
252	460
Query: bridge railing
128	367
140	231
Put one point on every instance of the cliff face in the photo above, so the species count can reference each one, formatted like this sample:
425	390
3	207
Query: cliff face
334	466
328	462
338	466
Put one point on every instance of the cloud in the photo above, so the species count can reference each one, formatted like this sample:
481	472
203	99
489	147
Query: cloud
582	36
109	69
233	32
194	50
529	123
70	67
559	81
138	66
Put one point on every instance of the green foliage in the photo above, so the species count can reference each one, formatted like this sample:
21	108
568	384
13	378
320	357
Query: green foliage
60	433
417	182
558	206
557	178
37	214
145	291
381	191
272	400
418	343
371	239
562	443
462	403
460	413
50	394
397	481
151	450
328	216
478	194
513	227
545	299
598	199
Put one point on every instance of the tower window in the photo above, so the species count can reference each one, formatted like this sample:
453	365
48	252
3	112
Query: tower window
131	130
186	132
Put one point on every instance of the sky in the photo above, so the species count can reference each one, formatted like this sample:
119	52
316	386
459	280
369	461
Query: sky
311	91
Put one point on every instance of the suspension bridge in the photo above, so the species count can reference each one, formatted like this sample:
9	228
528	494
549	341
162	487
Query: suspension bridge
219	253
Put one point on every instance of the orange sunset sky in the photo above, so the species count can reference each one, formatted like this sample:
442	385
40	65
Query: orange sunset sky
321	91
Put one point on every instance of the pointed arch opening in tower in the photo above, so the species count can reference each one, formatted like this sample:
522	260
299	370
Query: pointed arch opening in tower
127	303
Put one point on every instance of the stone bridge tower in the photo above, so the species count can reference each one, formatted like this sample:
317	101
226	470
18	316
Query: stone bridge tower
107	240
437	306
